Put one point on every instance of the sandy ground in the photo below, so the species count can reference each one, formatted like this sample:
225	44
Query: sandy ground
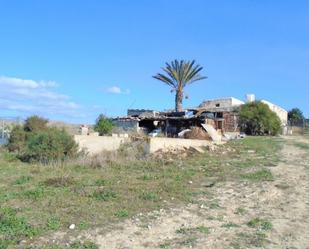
224	212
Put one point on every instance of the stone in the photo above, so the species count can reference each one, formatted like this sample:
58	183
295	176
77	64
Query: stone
72	227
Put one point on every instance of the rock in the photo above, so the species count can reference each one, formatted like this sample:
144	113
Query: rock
197	149
209	183
72	227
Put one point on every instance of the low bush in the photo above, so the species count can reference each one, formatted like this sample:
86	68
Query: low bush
35	141
50	145
257	119
17	140
35	124
103	125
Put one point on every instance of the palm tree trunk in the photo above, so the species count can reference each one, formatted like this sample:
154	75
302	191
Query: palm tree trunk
178	100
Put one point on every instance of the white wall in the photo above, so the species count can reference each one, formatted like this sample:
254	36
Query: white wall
282	114
97	144
223	103
162	143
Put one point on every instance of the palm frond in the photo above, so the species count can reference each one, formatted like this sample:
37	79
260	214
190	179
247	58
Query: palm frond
180	73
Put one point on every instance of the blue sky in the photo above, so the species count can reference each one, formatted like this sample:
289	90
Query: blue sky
71	60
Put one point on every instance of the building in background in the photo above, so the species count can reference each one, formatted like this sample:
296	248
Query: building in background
222	114
281	113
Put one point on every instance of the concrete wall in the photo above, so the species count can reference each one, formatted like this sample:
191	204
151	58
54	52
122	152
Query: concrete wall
97	144
162	143
282	114
222	103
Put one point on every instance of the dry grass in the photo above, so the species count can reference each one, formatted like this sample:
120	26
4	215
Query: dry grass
95	192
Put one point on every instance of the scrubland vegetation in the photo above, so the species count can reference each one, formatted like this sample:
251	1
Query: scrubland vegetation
38	199
35	141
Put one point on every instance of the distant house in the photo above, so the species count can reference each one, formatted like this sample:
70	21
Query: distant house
222	113
223	103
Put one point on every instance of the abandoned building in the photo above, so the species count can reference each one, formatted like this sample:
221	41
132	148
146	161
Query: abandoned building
221	114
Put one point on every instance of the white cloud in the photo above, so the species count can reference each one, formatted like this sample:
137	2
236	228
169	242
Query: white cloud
117	90
27	97
24	83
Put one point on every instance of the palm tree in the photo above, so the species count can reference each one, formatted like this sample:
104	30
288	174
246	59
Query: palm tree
179	74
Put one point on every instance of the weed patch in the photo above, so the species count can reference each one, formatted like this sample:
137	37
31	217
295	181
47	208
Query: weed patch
13	228
261	224
100	182
83	245
122	214
34	194
247	239
303	146
149	196
22	180
202	229
104	195
53	224
240	211
189	241
260	175
230	225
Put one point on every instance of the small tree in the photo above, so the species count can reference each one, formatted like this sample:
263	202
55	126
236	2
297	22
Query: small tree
35	124
257	119
103	125
295	116
35	141
52	144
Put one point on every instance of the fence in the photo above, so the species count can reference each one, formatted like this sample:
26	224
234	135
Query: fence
300	127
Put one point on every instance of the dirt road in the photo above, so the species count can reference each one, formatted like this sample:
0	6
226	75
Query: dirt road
232	215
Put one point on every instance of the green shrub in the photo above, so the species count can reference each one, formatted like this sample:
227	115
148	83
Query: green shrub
35	141
50	145
257	119
103	125
17	140
35	124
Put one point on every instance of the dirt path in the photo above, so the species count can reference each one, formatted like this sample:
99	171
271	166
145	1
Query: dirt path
278	211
